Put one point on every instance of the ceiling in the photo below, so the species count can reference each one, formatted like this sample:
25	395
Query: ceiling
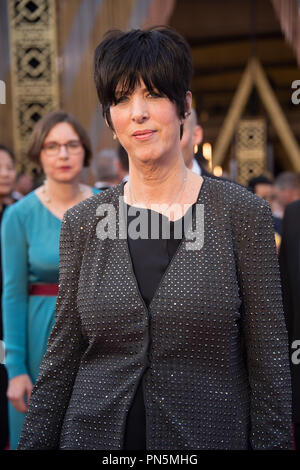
223	35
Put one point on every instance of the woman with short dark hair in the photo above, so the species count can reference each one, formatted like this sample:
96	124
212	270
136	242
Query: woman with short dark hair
30	246
163	340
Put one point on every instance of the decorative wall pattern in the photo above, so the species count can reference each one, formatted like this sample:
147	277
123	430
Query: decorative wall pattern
251	141
34	77
6	136
51	49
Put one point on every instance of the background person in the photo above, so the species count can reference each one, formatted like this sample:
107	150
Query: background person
7	181
191	137
24	185
106	169
262	186
123	164
286	189
289	259
30	245
7	176
168	348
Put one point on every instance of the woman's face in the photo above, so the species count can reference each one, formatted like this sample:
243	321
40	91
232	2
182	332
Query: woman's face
147	126
60	162
7	173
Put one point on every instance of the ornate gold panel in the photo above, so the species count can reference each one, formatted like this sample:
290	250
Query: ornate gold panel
250	149
33	49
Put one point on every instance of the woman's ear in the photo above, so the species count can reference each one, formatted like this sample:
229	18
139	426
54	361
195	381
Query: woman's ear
188	102
108	122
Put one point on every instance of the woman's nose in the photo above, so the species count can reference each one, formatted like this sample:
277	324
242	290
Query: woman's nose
4	171
63	151
139	110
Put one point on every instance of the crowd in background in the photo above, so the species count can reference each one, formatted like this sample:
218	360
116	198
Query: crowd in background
109	167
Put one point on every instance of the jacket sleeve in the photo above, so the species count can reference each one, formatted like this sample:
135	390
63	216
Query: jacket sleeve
263	324
15	291
51	394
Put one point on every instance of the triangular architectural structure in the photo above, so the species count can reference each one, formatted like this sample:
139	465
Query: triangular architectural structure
254	75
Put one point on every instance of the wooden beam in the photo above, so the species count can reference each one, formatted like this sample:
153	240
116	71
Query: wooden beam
235	111
255	75
235	38
238	53
276	115
278	66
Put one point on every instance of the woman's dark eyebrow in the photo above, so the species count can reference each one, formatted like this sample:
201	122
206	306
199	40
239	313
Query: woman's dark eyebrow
122	92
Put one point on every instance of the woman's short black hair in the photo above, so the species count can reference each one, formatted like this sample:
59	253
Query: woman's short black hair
159	56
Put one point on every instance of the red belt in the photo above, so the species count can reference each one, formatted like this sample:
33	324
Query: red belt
43	289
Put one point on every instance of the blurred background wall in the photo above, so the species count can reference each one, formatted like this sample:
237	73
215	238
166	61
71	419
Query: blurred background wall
249	120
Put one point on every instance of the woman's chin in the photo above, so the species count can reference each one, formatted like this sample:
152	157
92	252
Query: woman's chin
148	157
5	190
67	178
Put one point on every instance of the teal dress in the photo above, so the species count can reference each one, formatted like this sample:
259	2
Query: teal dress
30	255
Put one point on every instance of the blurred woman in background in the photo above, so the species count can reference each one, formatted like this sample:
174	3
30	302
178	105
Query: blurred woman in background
30	253
7	177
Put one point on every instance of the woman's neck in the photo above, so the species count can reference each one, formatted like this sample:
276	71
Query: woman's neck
63	192
59	197
161	184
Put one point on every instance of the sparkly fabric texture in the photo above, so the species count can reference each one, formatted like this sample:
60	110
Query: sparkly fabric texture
213	343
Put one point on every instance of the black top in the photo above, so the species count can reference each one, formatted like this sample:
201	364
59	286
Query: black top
150	259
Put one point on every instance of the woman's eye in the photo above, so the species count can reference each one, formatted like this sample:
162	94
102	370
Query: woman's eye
121	99
154	95
74	144
51	146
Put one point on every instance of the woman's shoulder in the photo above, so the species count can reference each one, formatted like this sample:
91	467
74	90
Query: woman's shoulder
235	196
96	191
21	208
86	211
86	188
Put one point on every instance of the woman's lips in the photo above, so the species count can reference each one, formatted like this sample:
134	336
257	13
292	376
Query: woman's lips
143	135
64	168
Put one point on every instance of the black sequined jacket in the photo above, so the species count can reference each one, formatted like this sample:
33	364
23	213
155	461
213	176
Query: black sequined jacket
212	347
